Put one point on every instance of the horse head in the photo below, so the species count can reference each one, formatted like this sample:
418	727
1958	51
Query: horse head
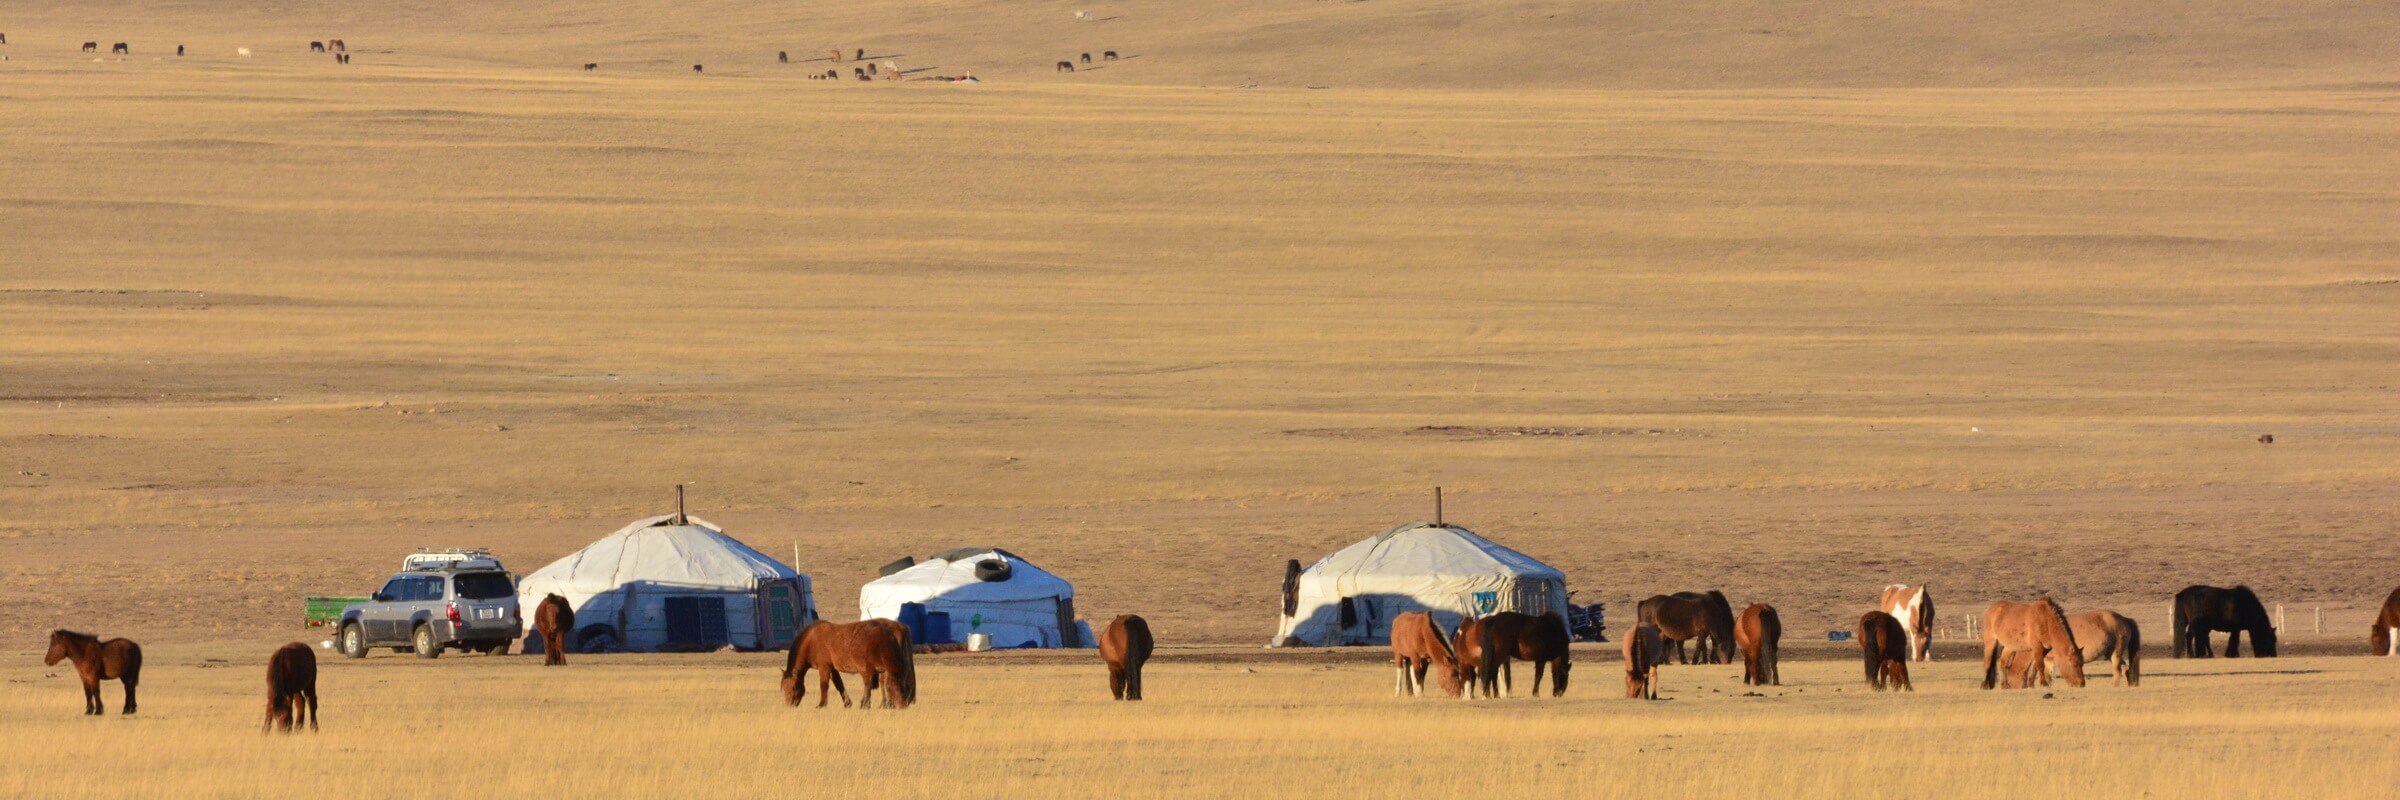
2061	640
62	644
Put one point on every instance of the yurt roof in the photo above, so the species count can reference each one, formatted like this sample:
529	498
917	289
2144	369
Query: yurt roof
950	574
658	550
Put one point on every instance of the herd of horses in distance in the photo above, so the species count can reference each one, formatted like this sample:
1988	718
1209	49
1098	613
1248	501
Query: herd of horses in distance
2023	643
340	51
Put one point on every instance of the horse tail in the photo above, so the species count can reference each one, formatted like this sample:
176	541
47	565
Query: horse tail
2129	650
2179	627
1869	647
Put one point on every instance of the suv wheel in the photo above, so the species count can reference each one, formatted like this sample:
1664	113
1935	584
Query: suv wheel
425	646
354	642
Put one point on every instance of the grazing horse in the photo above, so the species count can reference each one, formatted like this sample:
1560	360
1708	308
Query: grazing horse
554	619
2201	610
2384	638
337	45
696	68
862	55
95	661
1486	646
291	689
120	48
1417	646
91	47
1644	651
1065	66
1759	632
1884	642
870	650
1913	606
2010	625
316	47
591	66
1087	58
1109	56
2105	635
783	57
1702	619
1126	646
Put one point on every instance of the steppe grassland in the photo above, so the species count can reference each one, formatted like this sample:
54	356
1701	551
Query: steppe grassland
714	727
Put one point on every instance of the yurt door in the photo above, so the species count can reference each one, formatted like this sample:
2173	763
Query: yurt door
783	615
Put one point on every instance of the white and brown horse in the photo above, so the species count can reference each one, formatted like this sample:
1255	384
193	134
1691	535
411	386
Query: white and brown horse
2384	638
1418	646
1913	607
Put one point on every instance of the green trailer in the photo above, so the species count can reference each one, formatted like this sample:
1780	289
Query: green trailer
317	611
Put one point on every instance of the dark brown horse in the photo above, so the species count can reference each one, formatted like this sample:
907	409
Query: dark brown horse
1704	619
1760	634
1417	646
1884	641
554	620
120	49
291	689
316	47
2384	638
1109	56
1126	646
1644	651
91	47
1486	647
2201	610
1065	66
867	649
95	661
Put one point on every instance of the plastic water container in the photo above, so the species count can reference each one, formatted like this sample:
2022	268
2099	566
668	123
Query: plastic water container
937	627
978	642
913	616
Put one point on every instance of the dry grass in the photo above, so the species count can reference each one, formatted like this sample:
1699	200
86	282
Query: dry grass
704	726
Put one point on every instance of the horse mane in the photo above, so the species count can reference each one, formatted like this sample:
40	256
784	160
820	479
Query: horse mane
1448	652
2058	614
80	637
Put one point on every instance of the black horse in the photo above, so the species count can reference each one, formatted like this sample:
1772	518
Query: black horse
2202	610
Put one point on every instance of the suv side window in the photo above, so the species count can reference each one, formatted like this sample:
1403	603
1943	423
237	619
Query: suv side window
429	588
397	589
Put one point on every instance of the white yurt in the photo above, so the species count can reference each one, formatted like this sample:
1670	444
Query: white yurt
674	583
979	590
1350	597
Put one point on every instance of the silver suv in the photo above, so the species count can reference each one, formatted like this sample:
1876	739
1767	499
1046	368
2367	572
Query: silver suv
465	604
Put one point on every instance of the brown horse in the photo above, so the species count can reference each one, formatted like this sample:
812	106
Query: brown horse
1885	643
2024	669
1759	632
291	689
1417	646
2105	635
2010	625
1645	649
1126	646
867	649
1065	66
95	661
554	619
1704	619
1913	607
2384	638
1486	647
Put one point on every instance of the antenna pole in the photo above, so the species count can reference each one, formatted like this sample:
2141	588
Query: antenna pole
680	518
1437	508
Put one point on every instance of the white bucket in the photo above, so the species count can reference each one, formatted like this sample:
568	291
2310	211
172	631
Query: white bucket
978	642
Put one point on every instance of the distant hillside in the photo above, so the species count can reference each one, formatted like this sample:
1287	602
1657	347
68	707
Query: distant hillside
1380	43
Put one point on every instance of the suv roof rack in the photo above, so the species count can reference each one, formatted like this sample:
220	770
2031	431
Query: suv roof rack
433	558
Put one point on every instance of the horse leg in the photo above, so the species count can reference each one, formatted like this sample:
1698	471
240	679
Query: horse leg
2233	644
866	699
1537	677
1508	680
1400	686
129	682
311	694
825	679
91	697
1416	677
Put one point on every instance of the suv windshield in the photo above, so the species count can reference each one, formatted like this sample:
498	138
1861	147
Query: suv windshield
482	585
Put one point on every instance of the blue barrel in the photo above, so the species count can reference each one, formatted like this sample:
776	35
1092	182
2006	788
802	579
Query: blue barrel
937	628
913	616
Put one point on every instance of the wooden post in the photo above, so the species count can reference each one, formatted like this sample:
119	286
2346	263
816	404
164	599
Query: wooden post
1437	508
2320	619
682	519
2278	617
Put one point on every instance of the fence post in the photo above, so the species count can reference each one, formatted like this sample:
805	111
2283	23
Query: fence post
2278	617
2320	619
